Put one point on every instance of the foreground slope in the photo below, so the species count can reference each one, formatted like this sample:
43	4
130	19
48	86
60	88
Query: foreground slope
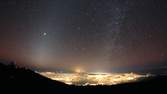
23	81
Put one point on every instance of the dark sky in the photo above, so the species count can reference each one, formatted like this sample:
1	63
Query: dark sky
94	35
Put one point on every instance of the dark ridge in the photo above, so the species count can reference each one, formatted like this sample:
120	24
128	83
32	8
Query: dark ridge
22	80
14	80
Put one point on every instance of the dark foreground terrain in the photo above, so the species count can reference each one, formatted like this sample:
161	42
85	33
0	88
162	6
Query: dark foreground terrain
24	81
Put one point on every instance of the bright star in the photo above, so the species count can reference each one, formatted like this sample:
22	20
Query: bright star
44	34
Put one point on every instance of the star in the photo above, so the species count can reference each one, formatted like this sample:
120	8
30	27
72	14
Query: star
87	13
93	20
78	28
44	33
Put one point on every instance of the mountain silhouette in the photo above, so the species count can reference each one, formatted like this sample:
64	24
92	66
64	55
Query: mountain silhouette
14	80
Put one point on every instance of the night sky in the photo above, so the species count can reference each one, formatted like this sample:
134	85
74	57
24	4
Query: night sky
94	35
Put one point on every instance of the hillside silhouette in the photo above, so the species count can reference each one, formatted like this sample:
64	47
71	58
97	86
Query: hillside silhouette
14	80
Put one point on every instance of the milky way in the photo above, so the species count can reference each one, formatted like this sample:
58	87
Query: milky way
96	35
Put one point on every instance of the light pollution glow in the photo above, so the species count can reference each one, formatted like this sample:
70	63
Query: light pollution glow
84	79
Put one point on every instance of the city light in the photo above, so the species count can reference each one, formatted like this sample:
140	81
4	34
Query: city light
83	79
79	70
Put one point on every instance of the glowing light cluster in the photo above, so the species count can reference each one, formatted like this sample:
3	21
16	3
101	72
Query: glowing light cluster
83	79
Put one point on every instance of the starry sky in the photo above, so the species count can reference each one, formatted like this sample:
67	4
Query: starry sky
94	35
